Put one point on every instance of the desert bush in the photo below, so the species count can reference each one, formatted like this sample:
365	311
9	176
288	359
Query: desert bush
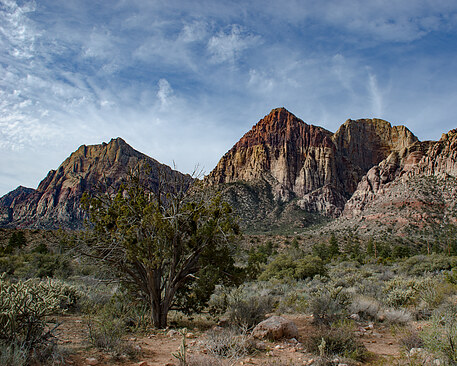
295	300
403	291
441	335
257	257
420	264
106	334
24	307
205	360
336	341
329	304
230	343
432	296
366	308
12	355
411	339
111	322
33	265
284	266
397	316
244	306
398	297
129	313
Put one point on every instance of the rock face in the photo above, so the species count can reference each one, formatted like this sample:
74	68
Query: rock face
303	165
275	327
411	189
56	201
282	149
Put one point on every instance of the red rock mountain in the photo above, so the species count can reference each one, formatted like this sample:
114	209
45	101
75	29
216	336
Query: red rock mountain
56	201
282	173
318	169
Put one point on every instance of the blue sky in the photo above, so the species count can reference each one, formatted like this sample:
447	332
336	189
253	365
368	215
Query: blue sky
183	80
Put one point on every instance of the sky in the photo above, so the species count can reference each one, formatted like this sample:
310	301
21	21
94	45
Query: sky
182	81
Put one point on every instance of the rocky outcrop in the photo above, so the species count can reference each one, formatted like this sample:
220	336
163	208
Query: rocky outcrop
411	192
275	327
56	201
318	169
422	159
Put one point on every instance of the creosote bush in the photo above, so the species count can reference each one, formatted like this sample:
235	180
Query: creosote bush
329	304
245	306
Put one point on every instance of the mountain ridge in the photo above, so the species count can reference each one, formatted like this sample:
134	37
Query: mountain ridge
282	172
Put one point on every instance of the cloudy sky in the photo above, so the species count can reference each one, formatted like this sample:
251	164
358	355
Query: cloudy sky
183	80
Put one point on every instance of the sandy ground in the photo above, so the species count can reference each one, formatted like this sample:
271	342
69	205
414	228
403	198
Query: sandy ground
155	348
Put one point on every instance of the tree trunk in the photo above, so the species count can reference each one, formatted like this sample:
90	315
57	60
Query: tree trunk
159	315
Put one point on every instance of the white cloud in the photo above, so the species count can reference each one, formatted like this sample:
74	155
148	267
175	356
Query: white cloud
227	46
164	93
193	32
375	95
18	34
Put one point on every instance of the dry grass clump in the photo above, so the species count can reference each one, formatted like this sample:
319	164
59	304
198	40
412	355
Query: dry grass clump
230	343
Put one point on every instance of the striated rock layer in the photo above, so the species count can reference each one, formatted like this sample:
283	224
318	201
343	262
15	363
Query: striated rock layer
56	201
316	169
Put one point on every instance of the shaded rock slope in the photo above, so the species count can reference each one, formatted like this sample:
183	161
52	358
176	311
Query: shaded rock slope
56	201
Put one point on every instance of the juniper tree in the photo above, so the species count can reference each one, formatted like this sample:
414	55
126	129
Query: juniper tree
169	246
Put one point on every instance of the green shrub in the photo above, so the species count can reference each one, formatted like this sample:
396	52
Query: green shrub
286	267
336	341
129	314
37	264
24	307
329	304
441	336
420	264
243	306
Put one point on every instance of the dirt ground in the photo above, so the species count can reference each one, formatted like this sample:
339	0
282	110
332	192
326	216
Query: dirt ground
156	347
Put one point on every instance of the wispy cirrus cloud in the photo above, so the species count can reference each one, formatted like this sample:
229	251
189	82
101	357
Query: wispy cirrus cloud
226	46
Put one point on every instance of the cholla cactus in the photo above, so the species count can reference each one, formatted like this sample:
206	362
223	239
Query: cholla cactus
24	306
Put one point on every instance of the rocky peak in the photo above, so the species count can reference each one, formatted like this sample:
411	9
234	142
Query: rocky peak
366	142
56	202
412	187
280	149
19	194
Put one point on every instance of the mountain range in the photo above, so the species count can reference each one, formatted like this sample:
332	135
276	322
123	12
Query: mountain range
282	173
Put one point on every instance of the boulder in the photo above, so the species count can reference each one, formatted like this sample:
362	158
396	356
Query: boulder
275	327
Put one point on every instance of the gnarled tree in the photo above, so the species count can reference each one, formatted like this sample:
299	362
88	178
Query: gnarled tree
159	241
